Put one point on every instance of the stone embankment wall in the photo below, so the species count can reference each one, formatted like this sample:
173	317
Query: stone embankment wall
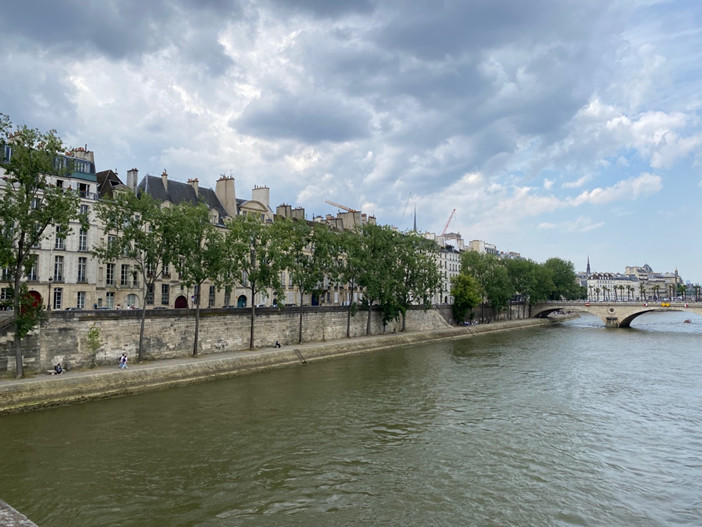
63	336
42	391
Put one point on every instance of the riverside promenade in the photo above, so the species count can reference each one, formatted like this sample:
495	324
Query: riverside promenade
77	386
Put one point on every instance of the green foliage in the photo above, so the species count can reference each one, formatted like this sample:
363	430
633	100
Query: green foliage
199	247
93	342
257	254
466	295
29	205
138	230
565	285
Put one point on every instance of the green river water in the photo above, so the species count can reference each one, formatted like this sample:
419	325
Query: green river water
571	424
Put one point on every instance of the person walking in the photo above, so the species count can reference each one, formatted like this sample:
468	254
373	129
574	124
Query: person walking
123	361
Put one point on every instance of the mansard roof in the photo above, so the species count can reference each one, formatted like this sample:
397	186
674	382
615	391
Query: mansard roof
176	192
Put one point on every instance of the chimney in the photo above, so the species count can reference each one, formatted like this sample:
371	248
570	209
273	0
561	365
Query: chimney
164	178
261	194
195	184
132	177
226	194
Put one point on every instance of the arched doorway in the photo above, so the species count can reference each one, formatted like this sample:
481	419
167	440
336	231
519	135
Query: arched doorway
315	299
241	301
132	301
36	298
181	302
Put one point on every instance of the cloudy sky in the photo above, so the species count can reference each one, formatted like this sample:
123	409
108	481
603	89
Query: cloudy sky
553	127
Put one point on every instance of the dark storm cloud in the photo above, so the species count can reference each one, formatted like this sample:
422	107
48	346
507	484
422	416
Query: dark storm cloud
324	8
124	29
307	118
432	30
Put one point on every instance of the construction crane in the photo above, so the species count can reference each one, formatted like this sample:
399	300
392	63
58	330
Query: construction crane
448	222
347	209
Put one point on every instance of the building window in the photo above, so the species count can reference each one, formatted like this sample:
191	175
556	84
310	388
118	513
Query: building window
35	203
6	294
83	240
110	300
82	268
32	274
150	295
124	275
165	294
84	210
110	276
60	242
166	270
211	299
58	297
58	268
80	300
135	279
111	240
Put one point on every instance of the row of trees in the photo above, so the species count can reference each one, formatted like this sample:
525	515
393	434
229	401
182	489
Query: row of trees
485	278
393	270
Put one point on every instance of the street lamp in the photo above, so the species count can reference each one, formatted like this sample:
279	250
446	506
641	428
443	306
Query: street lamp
48	306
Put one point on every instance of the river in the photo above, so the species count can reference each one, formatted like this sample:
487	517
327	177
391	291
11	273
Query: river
571	424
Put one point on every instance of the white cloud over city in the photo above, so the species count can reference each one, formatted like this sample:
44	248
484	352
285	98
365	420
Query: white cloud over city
557	128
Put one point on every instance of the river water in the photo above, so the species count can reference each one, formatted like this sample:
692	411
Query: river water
572	424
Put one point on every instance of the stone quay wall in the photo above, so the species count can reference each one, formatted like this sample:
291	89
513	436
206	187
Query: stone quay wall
63	336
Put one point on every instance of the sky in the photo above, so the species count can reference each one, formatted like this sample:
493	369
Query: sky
554	128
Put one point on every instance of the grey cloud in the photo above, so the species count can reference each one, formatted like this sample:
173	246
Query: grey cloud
324	8
119	29
307	118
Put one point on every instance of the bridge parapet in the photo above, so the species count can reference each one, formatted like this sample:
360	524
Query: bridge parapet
614	314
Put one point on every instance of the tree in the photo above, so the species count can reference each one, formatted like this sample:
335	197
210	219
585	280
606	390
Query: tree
93	343
137	230
377	259
417	273
311	256
349	265
466	295
29	204
199	247
530	280
259	253
565	285
492	277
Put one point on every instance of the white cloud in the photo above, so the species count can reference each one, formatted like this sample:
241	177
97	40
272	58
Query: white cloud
628	189
580	224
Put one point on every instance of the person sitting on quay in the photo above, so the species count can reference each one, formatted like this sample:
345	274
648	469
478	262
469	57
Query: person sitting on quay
58	370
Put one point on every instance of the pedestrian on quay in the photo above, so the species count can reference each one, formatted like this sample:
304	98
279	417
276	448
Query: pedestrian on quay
123	361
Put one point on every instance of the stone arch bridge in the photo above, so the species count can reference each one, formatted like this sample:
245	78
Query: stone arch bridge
614	314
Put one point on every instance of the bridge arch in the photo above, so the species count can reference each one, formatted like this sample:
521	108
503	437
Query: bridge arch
612	314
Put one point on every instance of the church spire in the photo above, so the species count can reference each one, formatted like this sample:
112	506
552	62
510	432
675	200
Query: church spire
415	219
588	265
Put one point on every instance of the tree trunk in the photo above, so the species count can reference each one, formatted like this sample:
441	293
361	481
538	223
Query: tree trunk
140	350
348	321
19	367
368	321
197	319
253	317
300	330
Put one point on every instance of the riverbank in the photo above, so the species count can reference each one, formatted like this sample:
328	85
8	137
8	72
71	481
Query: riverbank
76	386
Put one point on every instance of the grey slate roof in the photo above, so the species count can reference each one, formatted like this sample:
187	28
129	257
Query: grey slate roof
178	192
